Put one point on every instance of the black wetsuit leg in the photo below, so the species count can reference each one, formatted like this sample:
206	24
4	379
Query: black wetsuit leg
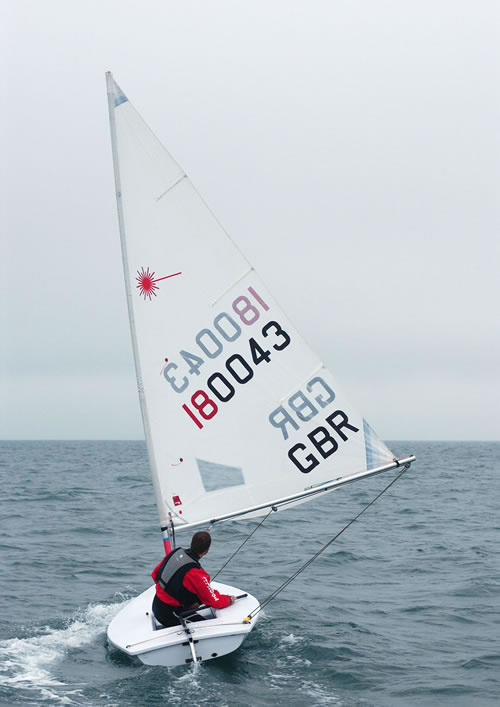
164	613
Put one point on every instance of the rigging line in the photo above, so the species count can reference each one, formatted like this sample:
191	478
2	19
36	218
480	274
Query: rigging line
273	508
274	594
172	528
179	632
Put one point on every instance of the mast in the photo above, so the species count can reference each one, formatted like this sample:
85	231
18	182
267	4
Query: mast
115	99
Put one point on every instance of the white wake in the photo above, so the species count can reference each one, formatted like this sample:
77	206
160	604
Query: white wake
27	662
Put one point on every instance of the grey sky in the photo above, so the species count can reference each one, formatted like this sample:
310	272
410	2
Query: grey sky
351	149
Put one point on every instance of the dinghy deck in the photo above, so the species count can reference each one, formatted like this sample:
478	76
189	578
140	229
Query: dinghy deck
134	631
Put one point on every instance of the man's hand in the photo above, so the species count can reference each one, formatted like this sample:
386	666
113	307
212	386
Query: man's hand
233	599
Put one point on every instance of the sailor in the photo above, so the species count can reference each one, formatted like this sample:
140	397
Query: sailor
182	583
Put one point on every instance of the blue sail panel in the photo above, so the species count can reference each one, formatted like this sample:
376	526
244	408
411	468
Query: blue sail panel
377	453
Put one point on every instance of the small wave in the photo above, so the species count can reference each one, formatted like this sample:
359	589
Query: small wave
345	556
320	694
419	608
290	638
484	661
307	691
25	663
190	688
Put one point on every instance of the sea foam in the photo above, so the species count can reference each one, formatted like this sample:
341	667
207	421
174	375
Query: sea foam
27	663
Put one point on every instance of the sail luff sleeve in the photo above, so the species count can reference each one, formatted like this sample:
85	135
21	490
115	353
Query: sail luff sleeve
116	97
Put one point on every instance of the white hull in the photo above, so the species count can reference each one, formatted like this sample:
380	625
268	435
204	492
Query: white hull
132	631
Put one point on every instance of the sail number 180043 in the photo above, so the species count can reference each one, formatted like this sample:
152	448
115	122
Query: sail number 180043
240	371
210	342
239	368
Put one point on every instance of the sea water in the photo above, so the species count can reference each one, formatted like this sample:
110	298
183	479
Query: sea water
403	609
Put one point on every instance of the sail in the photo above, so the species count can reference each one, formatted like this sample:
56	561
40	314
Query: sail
238	410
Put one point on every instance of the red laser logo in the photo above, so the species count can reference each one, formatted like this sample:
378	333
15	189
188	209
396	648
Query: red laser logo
147	282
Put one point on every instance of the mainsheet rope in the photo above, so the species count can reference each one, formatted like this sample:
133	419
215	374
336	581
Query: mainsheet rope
274	594
273	508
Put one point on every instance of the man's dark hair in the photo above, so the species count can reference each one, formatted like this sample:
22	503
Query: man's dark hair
200	542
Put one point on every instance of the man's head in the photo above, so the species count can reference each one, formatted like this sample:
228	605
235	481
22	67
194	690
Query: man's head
200	542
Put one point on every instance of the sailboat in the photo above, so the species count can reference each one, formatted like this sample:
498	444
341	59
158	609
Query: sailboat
240	415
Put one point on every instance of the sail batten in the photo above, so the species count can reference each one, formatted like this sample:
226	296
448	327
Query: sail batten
236	282
237	409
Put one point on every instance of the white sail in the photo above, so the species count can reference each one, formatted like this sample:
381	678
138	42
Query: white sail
238	410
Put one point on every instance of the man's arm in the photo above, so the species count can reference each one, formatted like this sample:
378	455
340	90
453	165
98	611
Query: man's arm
198	582
154	573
